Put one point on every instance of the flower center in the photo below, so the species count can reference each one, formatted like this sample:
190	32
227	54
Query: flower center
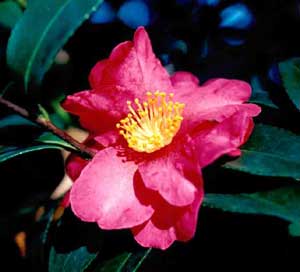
152	124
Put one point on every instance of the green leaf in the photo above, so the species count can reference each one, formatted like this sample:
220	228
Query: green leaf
283	203
290	75
259	95
115	264
294	229
10	13
15	120
61	118
136	261
50	138
32	46
270	151
9	152
76	260
46	140
126	261
78	246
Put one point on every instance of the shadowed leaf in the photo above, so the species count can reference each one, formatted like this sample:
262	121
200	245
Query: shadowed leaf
290	74
37	44
283	203
270	151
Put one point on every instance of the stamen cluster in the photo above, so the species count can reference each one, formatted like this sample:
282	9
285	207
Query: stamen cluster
152	124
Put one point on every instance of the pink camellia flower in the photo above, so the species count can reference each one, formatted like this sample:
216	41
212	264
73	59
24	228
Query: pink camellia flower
153	133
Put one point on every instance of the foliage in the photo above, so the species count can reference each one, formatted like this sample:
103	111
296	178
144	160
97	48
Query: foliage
57	21
282	203
269	152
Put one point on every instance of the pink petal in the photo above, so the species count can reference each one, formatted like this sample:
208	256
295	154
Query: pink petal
227	89
96	113
96	73
169	223
224	138
167	175
74	166
159	231
75	163
215	100
220	114
184	80
104	193
235	153
66	200
186	226
148	235
130	71
108	138
122	68
216	92
155	76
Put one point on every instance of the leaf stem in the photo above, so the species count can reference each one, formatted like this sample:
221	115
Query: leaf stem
46	123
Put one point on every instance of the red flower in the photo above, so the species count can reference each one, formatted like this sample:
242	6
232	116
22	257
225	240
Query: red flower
153	133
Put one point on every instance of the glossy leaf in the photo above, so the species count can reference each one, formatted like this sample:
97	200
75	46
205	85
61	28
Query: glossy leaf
76	260
50	138
290	75
15	120
10	152
294	229
259	95
46	140
10	13
283	203
115	264
270	151
79	246
126	261
37	44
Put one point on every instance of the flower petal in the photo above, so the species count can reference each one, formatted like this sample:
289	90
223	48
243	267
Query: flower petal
186	226
148	235
159	231
169	223
122	69
104	192
227	90
217	99
74	166
108	138
96	73
214	101
184	80
167	175
155	76
95	111
75	163
130	71
131	67
224	138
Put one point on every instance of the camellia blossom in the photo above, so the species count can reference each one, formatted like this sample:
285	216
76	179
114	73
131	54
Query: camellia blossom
152	134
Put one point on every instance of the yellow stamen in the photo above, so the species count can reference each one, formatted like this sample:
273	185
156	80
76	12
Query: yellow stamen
152	124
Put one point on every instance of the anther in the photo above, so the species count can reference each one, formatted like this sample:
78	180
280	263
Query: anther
152	124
